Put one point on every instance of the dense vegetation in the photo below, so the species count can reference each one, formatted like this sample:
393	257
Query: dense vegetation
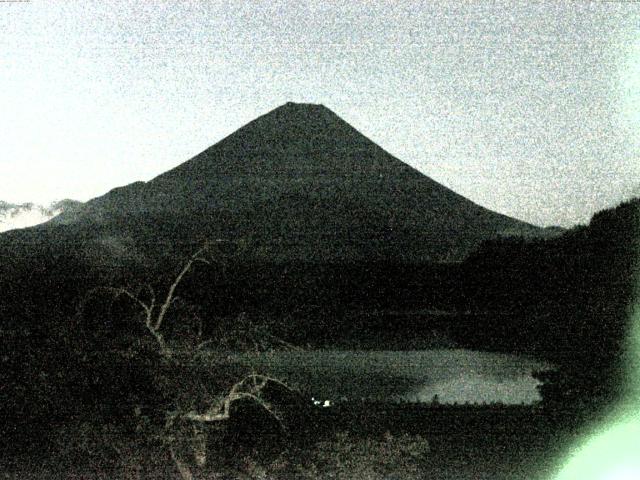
74	363
566	299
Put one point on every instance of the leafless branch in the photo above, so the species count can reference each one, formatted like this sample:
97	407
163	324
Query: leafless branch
251	387
196	257
183	468
154	322
221	410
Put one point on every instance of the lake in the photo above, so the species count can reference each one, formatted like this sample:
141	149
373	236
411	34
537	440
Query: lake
454	375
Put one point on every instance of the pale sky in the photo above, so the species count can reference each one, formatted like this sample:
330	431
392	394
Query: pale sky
530	109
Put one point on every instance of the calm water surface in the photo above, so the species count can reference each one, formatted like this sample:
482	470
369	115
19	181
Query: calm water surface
453	375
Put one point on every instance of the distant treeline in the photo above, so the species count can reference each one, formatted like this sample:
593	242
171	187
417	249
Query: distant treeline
569	298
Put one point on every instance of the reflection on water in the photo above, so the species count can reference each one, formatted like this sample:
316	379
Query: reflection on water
455	376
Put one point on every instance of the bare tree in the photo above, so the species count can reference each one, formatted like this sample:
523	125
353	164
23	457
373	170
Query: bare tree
154	312
250	387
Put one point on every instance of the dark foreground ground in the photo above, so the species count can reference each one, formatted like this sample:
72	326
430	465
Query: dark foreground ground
469	442
355	441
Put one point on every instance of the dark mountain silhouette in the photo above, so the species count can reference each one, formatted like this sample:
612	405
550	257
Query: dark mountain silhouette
303	185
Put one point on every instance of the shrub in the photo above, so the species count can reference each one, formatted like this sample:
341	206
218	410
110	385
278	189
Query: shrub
347	457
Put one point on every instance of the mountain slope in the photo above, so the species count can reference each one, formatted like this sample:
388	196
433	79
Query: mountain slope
302	184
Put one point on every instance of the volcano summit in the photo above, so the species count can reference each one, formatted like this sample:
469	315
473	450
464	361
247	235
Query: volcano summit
303	185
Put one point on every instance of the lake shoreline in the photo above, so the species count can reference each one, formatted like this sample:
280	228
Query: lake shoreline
447	376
